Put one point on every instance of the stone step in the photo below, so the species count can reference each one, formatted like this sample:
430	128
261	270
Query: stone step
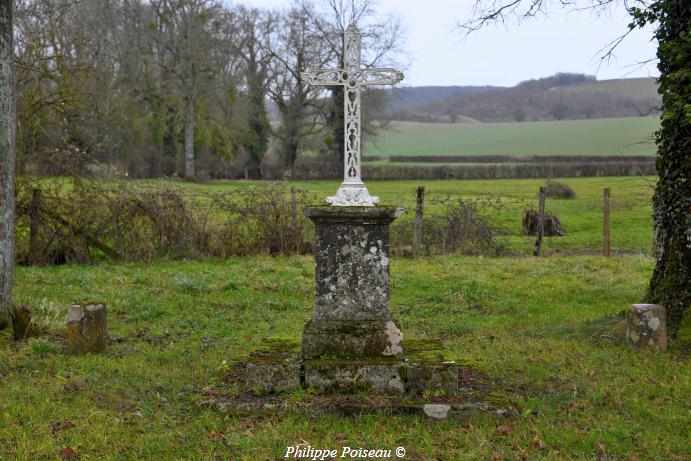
276	367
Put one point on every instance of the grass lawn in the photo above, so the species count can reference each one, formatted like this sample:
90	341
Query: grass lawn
581	217
610	136
546	329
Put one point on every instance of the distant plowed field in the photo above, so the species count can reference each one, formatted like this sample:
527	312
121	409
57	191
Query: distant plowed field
612	136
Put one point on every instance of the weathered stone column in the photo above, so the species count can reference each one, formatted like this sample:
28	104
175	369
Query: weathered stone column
87	328
352	318
646	326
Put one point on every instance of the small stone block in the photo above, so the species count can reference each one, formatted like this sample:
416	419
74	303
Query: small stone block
347	377
87	328
646	326
273	378
434	378
436	411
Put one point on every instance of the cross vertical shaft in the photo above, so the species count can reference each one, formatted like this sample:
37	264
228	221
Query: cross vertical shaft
351	103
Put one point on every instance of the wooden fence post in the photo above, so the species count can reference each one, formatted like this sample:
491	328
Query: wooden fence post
540	223
34	225
417	226
294	217
606	241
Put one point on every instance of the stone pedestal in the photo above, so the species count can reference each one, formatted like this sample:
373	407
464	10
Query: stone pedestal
646	326
352	318
87	328
351	357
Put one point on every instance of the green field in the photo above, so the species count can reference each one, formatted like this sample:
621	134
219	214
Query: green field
547	329
612	136
581	216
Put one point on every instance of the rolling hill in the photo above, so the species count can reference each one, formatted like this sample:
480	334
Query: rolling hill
560	97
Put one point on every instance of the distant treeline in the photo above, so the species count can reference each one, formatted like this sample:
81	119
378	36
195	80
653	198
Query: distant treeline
510	158
511	170
564	96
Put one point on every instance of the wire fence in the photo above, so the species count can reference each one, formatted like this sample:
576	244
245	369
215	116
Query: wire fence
87	221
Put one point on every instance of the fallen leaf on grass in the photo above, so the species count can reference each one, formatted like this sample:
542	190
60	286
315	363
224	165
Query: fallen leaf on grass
68	453
215	436
73	387
496	456
57	427
208	391
577	406
600	450
537	443
505	430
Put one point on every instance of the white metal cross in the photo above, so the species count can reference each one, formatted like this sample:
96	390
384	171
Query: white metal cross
352	191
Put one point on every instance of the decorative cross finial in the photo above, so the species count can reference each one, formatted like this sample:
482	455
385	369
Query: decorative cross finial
352	77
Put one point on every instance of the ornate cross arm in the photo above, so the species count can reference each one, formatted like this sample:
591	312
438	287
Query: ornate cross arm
382	76
332	77
324	77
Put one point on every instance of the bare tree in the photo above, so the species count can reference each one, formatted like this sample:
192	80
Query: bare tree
186	38
255	28
7	162
294	47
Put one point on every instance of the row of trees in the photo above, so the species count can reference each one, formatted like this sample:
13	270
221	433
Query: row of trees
162	87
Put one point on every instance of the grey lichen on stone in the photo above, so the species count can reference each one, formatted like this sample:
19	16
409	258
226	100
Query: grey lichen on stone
272	378
352	317
436	411
646	326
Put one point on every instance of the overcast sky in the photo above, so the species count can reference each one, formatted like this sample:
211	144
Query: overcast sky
505	55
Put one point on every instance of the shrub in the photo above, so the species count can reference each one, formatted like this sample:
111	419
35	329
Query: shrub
84	221
461	228
552	226
554	189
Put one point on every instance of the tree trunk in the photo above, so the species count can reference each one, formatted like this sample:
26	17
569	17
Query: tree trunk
292	144
189	137
670	284
257	142
7	162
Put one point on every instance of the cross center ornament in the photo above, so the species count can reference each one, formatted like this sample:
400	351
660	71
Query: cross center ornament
352	191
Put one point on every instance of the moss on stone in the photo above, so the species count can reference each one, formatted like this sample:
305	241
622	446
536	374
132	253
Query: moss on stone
327	361
499	399
23	322
276	351
424	351
89	303
475	364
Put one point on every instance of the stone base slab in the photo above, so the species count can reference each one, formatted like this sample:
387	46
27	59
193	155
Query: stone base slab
276	368
432	408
